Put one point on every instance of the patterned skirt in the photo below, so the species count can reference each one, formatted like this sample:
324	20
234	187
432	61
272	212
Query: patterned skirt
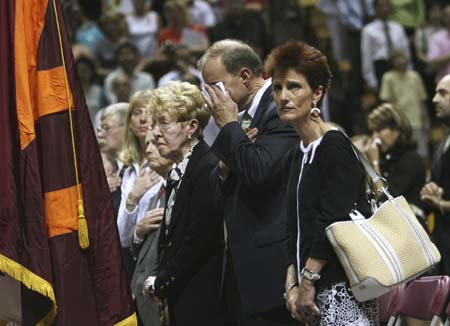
339	307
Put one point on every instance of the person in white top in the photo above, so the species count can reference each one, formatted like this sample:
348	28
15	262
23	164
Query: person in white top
201	13
110	135
139	183
143	28
128	57
378	39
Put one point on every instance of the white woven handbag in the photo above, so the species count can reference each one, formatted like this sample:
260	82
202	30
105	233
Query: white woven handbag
381	252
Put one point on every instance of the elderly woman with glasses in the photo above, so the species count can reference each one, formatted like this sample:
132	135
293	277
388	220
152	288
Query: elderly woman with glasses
139	182
190	239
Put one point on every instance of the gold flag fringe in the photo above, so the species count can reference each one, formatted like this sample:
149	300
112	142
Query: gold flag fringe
129	321
31	281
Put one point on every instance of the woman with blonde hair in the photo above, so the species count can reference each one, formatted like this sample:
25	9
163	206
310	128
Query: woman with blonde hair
190	238
139	183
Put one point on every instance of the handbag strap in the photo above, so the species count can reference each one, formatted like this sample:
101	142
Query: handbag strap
371	171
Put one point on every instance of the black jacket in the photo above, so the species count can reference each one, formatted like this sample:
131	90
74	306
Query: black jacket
190	255
253	198
331	186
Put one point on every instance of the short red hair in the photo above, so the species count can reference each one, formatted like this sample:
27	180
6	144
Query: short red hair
302	58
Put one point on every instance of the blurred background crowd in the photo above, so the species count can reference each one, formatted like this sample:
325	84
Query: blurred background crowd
386	50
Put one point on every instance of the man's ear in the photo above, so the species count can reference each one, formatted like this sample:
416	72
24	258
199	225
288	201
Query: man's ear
245	75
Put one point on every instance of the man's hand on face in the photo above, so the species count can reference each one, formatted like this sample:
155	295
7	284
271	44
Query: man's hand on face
223	109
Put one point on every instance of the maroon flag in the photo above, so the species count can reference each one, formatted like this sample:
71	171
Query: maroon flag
58	234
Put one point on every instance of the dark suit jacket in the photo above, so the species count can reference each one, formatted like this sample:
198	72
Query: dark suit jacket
440	173
146	265
253	199
190	255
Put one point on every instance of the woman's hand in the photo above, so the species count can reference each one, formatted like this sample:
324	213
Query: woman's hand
150	222
291	300
371	149
144	181
305	306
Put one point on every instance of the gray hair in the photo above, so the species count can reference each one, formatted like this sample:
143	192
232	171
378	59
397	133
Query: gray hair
119	110
234	55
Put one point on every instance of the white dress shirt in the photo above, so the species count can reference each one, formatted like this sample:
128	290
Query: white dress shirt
201	13
374	46
143	31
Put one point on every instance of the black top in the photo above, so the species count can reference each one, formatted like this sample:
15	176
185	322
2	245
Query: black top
404	171
190	254
332	183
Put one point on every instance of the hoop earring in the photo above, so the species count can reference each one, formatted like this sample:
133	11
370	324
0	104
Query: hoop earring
315	111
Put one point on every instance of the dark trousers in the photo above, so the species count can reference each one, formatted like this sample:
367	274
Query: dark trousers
234	312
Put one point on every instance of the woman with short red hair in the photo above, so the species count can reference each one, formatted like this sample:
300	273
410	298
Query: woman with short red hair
325	182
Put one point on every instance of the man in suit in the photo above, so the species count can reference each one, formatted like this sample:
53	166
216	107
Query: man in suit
145	239
251	145
437	192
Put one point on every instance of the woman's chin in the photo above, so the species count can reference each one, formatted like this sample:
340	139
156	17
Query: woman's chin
287	117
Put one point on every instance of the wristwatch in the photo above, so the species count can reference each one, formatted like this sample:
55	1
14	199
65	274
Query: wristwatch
309	275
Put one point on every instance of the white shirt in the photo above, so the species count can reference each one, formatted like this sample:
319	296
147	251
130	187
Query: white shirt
143	31
174	176
126	220
139	81
202	13
175	75
374	47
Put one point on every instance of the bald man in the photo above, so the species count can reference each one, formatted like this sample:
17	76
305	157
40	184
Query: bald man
437	192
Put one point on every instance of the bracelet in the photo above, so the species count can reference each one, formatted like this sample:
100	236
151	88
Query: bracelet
441	207
289	289
293	285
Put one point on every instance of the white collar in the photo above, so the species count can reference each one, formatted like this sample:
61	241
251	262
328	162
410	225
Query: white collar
181	167
311	148
255	102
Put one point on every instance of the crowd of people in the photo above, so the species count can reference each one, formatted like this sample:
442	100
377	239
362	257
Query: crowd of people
228	150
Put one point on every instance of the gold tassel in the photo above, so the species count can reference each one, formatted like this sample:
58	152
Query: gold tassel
83	234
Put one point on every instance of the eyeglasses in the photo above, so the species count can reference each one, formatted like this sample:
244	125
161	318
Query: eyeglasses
107	128
164	125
